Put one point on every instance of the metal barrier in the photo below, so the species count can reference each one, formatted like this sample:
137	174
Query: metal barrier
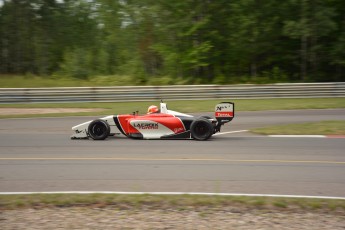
174	92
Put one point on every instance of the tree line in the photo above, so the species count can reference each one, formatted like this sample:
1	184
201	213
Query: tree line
201	41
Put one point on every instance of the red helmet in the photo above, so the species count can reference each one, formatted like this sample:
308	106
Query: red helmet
152	109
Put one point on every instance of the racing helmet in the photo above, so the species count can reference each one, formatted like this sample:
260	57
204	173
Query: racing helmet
152	109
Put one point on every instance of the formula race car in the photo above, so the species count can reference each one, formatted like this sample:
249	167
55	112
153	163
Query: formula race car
158	123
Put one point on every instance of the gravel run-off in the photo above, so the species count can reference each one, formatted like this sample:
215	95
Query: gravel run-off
155	218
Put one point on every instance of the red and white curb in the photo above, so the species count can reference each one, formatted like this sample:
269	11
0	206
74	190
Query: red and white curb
174	194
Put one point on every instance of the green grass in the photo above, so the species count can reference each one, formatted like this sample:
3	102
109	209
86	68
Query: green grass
58	80
188	106
30	81
180	202
310	128
35	82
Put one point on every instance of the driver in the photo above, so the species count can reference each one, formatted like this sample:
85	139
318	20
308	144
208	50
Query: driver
152	109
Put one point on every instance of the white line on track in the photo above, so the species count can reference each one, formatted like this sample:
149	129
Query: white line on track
285	136
174	193
238	131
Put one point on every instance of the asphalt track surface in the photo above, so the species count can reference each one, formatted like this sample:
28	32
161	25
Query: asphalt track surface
36	155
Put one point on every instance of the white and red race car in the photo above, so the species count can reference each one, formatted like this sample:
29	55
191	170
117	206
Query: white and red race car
162	124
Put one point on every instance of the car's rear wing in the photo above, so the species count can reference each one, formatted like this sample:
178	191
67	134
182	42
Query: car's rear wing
225	112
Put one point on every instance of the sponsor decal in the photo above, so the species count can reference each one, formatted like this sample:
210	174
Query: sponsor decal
219	108
224	114
146	125
222	107
178	130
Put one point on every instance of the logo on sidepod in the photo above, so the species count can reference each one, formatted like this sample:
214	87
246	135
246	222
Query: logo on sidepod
178	130
146	125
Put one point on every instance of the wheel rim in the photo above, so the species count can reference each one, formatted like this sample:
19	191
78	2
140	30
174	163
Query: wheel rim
98	129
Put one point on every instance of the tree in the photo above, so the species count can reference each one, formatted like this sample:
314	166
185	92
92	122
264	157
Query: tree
200	41
315	22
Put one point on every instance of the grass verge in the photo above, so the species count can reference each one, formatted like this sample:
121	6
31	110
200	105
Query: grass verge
310	128
179	202
31	81
187	106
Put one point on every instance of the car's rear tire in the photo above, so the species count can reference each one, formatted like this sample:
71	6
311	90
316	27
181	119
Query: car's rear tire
201	129
99	129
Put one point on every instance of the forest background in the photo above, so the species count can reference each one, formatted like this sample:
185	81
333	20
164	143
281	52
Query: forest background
159	42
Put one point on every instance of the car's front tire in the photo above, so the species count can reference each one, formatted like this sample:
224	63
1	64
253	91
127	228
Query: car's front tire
99	129
201	129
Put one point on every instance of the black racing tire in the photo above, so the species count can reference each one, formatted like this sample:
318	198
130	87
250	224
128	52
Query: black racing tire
99	129
201	129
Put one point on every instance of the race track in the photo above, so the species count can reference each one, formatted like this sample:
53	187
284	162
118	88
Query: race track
37	155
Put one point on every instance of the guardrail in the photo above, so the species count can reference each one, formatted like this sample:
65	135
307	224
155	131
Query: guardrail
174	92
